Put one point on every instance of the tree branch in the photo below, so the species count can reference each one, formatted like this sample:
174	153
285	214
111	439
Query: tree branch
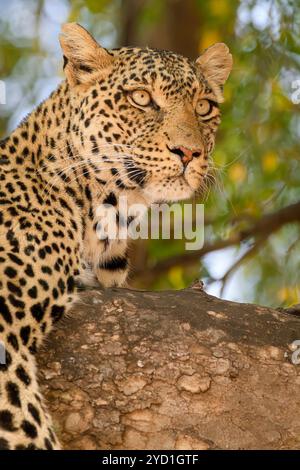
246	256
263	228
172	370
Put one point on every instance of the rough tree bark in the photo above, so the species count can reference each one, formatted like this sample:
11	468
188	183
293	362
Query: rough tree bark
172	370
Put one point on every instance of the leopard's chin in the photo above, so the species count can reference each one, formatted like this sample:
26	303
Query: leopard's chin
168	191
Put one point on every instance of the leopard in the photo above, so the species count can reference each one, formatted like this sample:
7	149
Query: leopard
133	122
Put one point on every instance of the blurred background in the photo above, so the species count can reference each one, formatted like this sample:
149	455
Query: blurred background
252	237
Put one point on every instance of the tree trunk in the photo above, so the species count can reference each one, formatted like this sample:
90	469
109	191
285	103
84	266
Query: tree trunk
176	26
172	370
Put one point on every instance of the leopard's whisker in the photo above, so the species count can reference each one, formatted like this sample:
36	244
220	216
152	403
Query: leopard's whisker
83	163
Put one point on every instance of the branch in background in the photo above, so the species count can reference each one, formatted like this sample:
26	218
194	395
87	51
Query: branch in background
246	256
260	230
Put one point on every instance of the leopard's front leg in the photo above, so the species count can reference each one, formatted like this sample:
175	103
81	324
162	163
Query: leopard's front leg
106	260
113	267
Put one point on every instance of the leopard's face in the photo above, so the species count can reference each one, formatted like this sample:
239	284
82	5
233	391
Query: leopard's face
150	115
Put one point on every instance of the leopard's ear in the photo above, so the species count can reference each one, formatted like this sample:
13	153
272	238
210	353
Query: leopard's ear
83	56
216	64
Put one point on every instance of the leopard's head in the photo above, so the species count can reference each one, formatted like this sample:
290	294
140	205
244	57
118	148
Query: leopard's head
151	115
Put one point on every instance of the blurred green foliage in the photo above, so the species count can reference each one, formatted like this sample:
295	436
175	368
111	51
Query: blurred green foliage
256	161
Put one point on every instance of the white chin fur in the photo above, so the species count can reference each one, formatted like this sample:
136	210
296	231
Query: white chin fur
175	191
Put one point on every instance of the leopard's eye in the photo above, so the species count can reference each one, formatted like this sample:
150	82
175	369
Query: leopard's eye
203	107
141	97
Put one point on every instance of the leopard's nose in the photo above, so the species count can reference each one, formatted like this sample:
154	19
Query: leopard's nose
186	155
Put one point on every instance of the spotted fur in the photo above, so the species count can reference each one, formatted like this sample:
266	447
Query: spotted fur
88	144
